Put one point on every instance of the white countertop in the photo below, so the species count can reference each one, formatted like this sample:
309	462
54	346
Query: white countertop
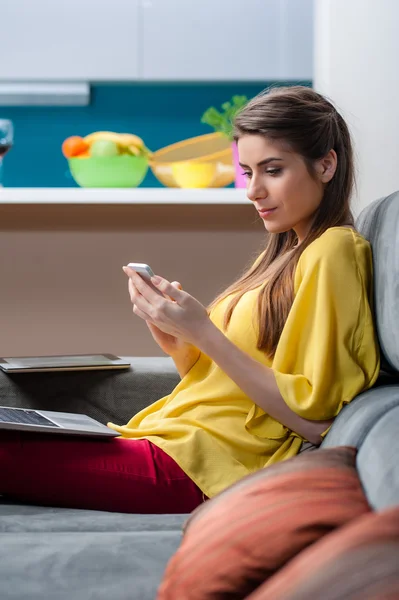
122	196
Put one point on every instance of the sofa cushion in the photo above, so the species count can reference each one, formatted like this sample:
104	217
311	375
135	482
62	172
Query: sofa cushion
81	554
371	423
357	418
84	565
21	518
359	560
377	462
236	540
379	223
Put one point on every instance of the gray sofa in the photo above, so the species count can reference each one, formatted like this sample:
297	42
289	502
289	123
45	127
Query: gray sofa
50	553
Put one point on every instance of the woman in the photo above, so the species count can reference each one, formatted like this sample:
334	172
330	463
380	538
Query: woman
267	368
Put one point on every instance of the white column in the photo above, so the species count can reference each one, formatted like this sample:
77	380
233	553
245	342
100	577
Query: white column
357	67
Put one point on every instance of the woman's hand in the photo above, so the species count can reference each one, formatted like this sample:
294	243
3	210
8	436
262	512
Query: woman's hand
178	314
170	344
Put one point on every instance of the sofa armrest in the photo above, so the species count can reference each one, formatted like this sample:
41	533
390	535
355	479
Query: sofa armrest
104	395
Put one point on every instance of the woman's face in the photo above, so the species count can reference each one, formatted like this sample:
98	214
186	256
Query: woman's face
280	186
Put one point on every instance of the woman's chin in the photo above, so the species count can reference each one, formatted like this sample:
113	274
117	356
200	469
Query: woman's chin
275	227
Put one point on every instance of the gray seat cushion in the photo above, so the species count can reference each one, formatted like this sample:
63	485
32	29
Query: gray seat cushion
377	462
48	553
18	518
379	223
355	421
83	565
371	424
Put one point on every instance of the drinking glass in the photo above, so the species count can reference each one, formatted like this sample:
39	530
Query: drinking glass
6	142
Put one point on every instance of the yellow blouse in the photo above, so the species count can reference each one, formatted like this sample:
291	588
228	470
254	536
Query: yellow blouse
327	354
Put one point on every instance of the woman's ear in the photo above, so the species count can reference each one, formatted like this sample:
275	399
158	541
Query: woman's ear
327	166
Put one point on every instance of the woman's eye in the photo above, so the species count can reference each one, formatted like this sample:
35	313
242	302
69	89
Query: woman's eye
275	171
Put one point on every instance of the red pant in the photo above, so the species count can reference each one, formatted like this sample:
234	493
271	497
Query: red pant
132	476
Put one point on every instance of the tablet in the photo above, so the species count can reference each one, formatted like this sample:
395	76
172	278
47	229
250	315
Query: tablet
66	362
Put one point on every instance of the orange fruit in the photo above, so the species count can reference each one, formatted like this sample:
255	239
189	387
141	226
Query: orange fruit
73	146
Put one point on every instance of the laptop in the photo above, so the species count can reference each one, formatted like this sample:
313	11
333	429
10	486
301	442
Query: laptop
45	421
66	362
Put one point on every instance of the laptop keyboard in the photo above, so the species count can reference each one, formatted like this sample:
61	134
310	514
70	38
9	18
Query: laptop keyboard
26	417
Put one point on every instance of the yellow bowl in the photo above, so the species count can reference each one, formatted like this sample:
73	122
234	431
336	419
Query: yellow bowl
189	174
202	161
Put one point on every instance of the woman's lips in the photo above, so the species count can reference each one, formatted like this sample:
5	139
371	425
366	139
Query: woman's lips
265	212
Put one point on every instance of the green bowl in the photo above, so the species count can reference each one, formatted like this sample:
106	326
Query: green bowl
123	171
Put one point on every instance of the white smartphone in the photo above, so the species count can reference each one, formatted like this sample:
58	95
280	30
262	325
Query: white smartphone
146	273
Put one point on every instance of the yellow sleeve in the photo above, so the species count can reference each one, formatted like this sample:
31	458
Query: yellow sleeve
328	353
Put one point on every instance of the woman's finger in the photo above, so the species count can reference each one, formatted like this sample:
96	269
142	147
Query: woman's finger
133	293
178	286
136	296
142	286
138	300
169	289
140	313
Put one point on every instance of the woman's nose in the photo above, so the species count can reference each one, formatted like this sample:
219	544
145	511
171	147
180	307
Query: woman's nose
255	190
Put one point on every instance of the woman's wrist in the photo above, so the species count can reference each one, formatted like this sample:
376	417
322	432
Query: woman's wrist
185	358
208	337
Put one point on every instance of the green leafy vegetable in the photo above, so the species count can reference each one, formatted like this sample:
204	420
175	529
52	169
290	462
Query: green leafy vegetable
223	121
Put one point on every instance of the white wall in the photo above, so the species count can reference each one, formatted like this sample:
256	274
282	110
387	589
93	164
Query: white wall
356	65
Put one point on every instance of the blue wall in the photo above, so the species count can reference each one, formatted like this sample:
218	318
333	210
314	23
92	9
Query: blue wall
160	114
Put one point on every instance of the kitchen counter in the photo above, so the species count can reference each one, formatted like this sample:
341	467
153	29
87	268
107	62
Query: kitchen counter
221	196
63	290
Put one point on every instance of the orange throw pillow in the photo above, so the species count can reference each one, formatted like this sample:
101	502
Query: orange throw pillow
241	537
361	560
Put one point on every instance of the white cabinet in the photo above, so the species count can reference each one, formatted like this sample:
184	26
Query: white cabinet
69	40
226	40
296	39
156	40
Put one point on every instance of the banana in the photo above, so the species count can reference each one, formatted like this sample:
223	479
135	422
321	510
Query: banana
103	135
134	150
132	140
122	139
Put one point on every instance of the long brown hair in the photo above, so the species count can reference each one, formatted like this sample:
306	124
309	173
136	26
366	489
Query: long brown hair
311	126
